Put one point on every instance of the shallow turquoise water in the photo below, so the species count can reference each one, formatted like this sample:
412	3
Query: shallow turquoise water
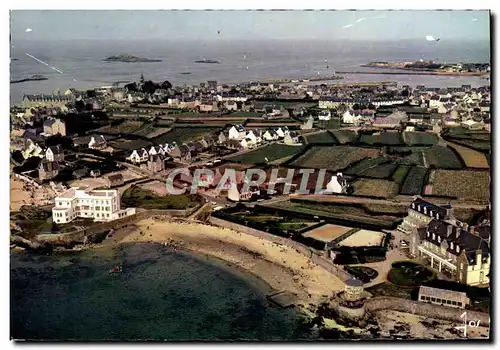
161	295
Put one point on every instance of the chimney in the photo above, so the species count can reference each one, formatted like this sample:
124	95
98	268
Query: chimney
479	257
449	230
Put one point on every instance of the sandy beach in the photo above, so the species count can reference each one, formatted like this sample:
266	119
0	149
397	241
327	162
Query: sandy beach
22	193
281	267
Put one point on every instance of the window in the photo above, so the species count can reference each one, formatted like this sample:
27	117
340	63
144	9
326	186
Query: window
433	299
60	203
107	215
98	215
439	239
460	303
97	208
438	300
453	302
481	276
433	236
108	208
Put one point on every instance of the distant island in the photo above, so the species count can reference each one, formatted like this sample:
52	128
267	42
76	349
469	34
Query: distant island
35	77
128	58
207	61
434	68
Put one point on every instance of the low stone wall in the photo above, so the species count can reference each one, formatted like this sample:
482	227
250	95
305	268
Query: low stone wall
78	236
316	257
424	309
27	179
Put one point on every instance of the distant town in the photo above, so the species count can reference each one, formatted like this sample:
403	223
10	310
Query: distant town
407	220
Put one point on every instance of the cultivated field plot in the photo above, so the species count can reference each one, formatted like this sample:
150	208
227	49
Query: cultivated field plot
272	152
335	157
320	138
347	213
420	138
345	136
363	238
181	135
374	188
364	165
414	181
382	171
150	131
384	138
333	123
471	158
272	124
130	145
442	157
327	233
125	127
399	175
463	184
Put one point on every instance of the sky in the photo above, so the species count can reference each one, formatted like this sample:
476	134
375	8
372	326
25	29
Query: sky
248	25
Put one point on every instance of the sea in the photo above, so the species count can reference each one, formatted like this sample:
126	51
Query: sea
81	61
160	295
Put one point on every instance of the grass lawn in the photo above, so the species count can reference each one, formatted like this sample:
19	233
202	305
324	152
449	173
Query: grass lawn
408	273
142	198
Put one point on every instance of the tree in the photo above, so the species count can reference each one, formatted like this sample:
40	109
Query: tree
149	87
405	93
91	93
356	107
54	140
132	87
80	105
166	85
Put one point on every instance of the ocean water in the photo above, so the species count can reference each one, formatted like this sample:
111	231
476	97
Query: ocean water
160	295
81	61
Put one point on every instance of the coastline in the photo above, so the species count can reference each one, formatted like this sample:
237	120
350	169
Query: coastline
280	267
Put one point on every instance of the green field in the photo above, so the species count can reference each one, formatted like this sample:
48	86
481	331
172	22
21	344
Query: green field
321	137
334	157
181	135
333	123
332	211
420	138
442	157
272	152
414	181
399	175
382	171
142	198
364	165
385	138
345	136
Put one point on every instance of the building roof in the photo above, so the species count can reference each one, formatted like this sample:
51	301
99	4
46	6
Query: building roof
56	149
115	178
48	166
430	209
443	294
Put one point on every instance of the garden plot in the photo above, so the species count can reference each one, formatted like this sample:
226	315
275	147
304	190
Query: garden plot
335	157
268	154
416	138
463	184
442	157
414	181
471	158
374	188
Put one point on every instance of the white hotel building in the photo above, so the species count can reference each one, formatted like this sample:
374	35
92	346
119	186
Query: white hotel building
100	205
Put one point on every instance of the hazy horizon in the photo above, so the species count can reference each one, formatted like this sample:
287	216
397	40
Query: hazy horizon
175	25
